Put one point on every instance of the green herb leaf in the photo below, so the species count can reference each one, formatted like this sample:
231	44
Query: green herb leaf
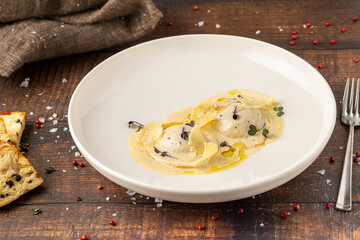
279	114
265	132
253	130
36	211
275	109
49	170
280	108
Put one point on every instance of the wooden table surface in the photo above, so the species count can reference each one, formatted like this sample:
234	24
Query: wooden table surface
140	217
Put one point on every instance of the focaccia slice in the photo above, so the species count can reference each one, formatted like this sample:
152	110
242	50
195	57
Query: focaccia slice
17	175
3	133
15	125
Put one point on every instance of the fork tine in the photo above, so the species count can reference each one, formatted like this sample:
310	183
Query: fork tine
345	98
351	100
357	97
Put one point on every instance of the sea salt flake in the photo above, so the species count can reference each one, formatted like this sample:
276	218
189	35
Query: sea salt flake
41	119
322	172
41	138
157	200
328	181
40	94
64	170
55	122
25	83
65	129
31	113
77	154
4	104
208	10
159	205
217	25
133	198
341	147
262	225
62	25
47	160
304	25
53	130
49	107
56	141
73	147
257	32
67	209
27	95
134	203
57	136
130	192
201	23
50	118
35	132
99	207
107	198
54	115
64	80
75	168
114	214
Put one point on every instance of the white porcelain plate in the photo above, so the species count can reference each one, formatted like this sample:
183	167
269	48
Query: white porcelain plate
152	79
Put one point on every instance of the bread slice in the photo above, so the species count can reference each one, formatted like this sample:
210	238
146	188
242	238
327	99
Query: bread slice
3	133
17	175
15	125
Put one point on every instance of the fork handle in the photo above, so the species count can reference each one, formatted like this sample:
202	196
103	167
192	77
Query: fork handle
343	202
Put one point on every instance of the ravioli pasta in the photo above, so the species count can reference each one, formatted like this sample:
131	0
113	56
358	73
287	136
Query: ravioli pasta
216	134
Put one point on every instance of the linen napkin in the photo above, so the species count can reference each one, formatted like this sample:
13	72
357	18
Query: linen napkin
33	30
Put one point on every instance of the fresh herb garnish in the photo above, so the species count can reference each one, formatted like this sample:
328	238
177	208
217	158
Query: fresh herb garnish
235	116
253	130
36	211
184	134
265	132
191	124
279	111
134	124
49	170
163	154
224	144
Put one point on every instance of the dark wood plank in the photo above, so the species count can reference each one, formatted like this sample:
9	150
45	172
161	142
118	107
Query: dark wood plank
179	221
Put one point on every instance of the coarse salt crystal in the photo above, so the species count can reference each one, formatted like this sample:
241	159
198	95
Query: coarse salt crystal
217	25
27	95
53	130
35	132
41	138
304	26
75	168
73	147
64	80
55	122
31	113
57	136
201	23
25	83
99	207
134	203
54	115
107	198
208	10
322	172
40	94
47	160
56	141
64	170
114	214
62	25
67	209
159	205
262	225
341	147
65	129
50	118
41	119
257	32
130	192
157	200
328	181
77	154
4	104
49	107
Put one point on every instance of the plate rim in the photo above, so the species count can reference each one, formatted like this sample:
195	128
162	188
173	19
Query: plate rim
288	173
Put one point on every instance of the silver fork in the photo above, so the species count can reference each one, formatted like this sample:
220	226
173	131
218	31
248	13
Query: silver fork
349	116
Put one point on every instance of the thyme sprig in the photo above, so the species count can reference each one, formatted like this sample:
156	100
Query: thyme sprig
35	211
49	170
163	154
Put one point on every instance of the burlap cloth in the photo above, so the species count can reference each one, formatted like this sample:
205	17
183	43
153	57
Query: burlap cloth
32	30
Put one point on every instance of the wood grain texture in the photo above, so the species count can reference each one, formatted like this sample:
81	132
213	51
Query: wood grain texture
139	217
